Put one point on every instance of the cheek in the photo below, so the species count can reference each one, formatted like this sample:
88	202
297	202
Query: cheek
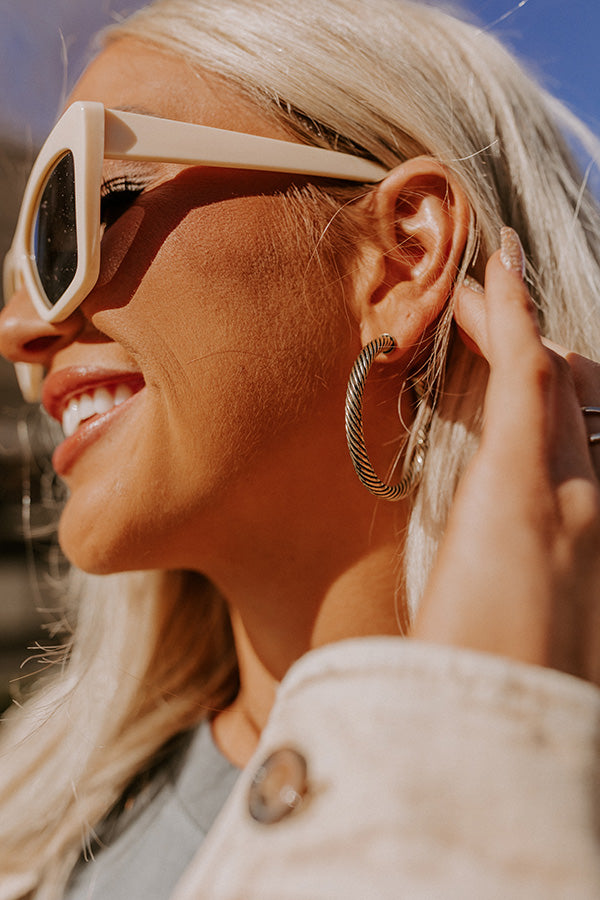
116	244
262	331
245	350
235	294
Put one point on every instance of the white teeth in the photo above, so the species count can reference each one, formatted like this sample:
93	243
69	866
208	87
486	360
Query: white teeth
95	403
122	393
86	407
70	419
103	400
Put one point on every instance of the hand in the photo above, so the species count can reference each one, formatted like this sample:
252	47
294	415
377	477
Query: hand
518	571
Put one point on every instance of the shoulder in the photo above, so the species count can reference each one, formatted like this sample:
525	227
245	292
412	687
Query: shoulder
430	770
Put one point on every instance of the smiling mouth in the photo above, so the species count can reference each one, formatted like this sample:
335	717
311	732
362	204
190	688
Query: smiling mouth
85	406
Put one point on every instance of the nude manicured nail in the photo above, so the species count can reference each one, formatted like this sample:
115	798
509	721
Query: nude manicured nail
511	251
473	285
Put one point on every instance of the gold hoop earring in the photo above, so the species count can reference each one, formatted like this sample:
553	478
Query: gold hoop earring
385	343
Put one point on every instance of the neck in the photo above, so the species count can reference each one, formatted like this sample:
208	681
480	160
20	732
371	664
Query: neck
300	595
316	561
323	582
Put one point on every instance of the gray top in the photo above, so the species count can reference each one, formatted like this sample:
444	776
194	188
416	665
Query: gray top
144	847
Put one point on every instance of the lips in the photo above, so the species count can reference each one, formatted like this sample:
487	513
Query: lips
85	400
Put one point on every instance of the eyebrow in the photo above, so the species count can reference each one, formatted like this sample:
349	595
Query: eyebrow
135	167
141	110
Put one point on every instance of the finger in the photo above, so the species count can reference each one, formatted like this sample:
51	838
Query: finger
521	372
586	372
498	324
513	327
470	316
503	316
568	433
531	390
585	375
534	399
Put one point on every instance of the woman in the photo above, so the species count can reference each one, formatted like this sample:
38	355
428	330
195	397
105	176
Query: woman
200	376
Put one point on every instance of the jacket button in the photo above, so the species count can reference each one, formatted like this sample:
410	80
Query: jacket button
278	786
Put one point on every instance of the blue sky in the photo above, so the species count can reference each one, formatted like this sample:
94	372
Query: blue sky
560	39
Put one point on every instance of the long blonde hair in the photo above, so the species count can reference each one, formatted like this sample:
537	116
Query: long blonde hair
153	652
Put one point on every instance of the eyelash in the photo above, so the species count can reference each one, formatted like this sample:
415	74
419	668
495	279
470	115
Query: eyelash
116	196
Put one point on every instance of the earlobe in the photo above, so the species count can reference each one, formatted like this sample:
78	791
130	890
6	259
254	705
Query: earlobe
420	226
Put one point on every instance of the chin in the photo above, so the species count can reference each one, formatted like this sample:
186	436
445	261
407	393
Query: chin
96	548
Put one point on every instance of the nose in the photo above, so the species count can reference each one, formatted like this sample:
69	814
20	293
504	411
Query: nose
25	338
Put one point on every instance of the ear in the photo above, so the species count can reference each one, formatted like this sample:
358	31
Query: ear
420	225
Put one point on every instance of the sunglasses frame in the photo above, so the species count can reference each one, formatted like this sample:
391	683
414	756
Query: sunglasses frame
92	133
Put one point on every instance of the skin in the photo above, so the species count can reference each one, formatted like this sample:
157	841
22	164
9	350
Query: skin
528	510
217	302
209	289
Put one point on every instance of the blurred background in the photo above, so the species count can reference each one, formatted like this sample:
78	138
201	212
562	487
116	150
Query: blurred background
44	45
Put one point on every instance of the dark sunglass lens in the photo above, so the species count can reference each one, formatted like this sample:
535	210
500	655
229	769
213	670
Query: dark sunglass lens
55	232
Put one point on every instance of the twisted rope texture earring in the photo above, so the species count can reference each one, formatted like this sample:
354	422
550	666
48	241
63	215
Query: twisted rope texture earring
355	437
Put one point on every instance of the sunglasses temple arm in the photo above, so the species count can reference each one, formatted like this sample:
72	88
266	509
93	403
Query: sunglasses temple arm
29	378
140	137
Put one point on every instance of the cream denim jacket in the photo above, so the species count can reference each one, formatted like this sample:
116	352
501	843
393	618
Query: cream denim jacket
431	773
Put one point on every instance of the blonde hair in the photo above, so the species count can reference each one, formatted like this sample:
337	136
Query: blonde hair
152	652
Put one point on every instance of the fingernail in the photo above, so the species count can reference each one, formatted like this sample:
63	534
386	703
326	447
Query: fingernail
473	285
511	251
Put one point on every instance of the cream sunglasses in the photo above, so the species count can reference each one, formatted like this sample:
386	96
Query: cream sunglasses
55	251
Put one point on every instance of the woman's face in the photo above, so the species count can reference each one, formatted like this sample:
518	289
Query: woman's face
211	307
